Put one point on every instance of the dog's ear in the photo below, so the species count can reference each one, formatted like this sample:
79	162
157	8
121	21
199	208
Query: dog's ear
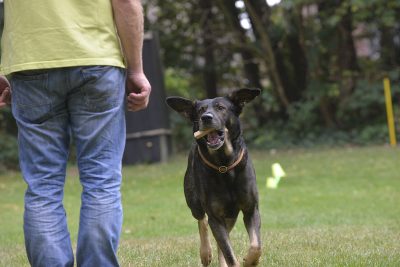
182	105
240	97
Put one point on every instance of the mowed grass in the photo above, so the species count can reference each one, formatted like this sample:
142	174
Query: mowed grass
336	207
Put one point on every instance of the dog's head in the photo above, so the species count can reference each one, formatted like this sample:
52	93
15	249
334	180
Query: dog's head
214	118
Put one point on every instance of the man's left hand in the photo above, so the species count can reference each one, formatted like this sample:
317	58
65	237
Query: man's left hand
138	91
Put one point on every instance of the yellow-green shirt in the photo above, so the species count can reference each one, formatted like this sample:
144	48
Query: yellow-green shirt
41	34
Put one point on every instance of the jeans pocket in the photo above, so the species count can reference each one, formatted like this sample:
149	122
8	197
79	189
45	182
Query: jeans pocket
103	87
29	96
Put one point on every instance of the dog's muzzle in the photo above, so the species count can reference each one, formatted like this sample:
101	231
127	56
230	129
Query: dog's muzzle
214	138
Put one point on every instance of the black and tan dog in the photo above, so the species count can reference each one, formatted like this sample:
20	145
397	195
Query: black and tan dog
220	180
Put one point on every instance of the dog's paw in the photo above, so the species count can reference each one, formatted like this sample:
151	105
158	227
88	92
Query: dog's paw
205	256
253	257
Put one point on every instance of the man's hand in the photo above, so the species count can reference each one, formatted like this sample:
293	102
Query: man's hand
5	92
138	91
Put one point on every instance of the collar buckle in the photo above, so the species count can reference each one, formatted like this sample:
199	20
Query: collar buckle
222	169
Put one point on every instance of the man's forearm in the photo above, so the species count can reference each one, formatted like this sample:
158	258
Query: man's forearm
128	16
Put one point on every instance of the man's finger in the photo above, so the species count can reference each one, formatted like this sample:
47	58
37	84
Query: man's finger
141	104
137	105
4	94
141	92
133	96
5	97
137	101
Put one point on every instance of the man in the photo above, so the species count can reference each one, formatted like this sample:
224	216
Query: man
67	75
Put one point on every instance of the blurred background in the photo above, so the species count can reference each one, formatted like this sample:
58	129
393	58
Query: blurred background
320	65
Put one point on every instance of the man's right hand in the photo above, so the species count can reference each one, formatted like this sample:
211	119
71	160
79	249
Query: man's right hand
5	92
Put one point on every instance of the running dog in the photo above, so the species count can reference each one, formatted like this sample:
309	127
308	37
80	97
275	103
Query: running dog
220	180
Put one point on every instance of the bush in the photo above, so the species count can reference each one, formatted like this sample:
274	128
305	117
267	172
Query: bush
364	107
8	152
361	119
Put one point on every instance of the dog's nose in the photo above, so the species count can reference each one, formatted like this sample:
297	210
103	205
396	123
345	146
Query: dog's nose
207	117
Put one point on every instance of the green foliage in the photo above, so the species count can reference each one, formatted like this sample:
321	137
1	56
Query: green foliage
8	141
279	135
180	83
364	107
362	120
8	152
7	122
302	115
335	96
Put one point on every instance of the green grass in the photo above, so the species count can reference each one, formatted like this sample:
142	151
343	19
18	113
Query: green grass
337	207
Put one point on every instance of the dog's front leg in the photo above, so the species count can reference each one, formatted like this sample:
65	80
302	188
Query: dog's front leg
252	222
221	235
205	244
229	223
221	259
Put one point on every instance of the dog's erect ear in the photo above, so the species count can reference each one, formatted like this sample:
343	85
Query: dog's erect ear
242	96
182	105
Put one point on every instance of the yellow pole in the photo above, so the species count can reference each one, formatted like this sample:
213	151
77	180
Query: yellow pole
389	111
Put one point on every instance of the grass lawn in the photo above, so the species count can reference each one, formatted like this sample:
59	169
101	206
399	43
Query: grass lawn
337	207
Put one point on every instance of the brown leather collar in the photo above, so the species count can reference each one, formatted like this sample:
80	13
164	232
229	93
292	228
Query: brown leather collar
222	169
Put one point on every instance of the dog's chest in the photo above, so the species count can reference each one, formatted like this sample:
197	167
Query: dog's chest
223	206
221	197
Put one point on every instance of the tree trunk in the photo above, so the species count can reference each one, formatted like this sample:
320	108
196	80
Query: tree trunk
292	60
347	58
267	52
209	70
388	48
251	68
338	63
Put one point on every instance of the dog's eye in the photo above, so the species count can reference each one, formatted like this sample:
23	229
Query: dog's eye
220	107
202	109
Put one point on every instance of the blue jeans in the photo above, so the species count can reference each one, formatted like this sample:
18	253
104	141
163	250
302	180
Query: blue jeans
50	106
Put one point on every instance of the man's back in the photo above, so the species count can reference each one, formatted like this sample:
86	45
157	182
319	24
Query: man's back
59	33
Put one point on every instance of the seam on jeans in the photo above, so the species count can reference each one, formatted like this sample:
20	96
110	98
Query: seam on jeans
86	71
69	87
29	77
99	68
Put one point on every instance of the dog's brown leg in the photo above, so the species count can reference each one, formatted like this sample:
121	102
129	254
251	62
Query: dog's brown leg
205	244
252	222
221	235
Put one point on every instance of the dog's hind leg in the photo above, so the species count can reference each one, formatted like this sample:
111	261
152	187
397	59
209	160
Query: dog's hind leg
205	244
253	223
